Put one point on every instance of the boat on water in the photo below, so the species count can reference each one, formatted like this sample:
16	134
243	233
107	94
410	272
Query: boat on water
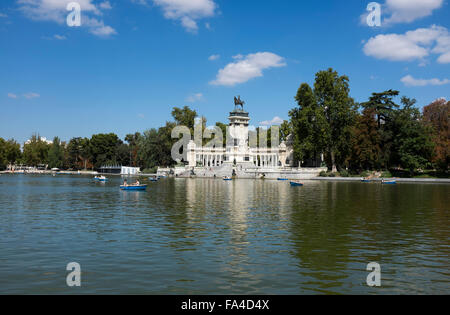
389	182
366	180
153	179
133	187
100	178
227	178
283	179
296	183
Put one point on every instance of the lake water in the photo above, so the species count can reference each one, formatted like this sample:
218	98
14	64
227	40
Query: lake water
200	236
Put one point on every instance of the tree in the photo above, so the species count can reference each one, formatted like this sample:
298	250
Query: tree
133	140
412	146
331	92
35	151
309	125
366	146
437	115
9	152
56	154
383	105
285	130
104	149
185	117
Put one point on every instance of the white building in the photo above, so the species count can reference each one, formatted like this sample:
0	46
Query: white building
240	150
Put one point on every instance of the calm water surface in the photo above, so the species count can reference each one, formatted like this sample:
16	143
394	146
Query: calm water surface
196	236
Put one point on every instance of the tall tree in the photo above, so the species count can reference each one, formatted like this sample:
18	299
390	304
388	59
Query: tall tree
332	94
35	151
366	146
437	115
412	146
104	149
309	125
56	154
383	105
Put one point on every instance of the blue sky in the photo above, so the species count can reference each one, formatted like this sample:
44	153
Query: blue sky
132	61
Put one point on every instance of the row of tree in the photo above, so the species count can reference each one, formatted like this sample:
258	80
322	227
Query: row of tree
374	135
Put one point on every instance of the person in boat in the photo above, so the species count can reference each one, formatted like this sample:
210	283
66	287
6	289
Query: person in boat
137	183
125	183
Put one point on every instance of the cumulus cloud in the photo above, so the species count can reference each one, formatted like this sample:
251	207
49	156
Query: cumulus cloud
247	68
413	45
186	12
407	11
411	81
55	11
194	98
275	121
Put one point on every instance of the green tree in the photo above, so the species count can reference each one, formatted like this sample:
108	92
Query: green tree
366	146
383	105
309	125
185	117
412	145
56	154
332	95
35	151
104	149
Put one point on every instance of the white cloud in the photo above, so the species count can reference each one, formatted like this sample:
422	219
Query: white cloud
187	12
31	95
411	81
194	98
3	15
214	57
407	11
413	45
275	121
404	11
105	5
247	68
59	37
12	95
55	11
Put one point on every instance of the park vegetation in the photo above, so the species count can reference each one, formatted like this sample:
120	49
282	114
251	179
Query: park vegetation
354	138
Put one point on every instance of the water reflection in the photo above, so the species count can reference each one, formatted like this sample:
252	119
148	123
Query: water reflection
193	236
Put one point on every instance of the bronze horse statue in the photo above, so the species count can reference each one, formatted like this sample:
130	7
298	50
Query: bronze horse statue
237	101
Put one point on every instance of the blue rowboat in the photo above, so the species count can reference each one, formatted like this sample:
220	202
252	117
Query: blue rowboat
389	182
226	178
134	187
152	179
296	184
100	179
282	178
366	181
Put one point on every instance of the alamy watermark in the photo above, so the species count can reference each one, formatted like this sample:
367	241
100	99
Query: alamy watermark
374	17
374	278
74	17
73	279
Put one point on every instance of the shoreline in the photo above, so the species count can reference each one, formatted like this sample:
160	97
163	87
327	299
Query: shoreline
325	179
399	180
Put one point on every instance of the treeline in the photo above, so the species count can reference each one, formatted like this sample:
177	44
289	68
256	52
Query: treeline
375	135
147	150
379	134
